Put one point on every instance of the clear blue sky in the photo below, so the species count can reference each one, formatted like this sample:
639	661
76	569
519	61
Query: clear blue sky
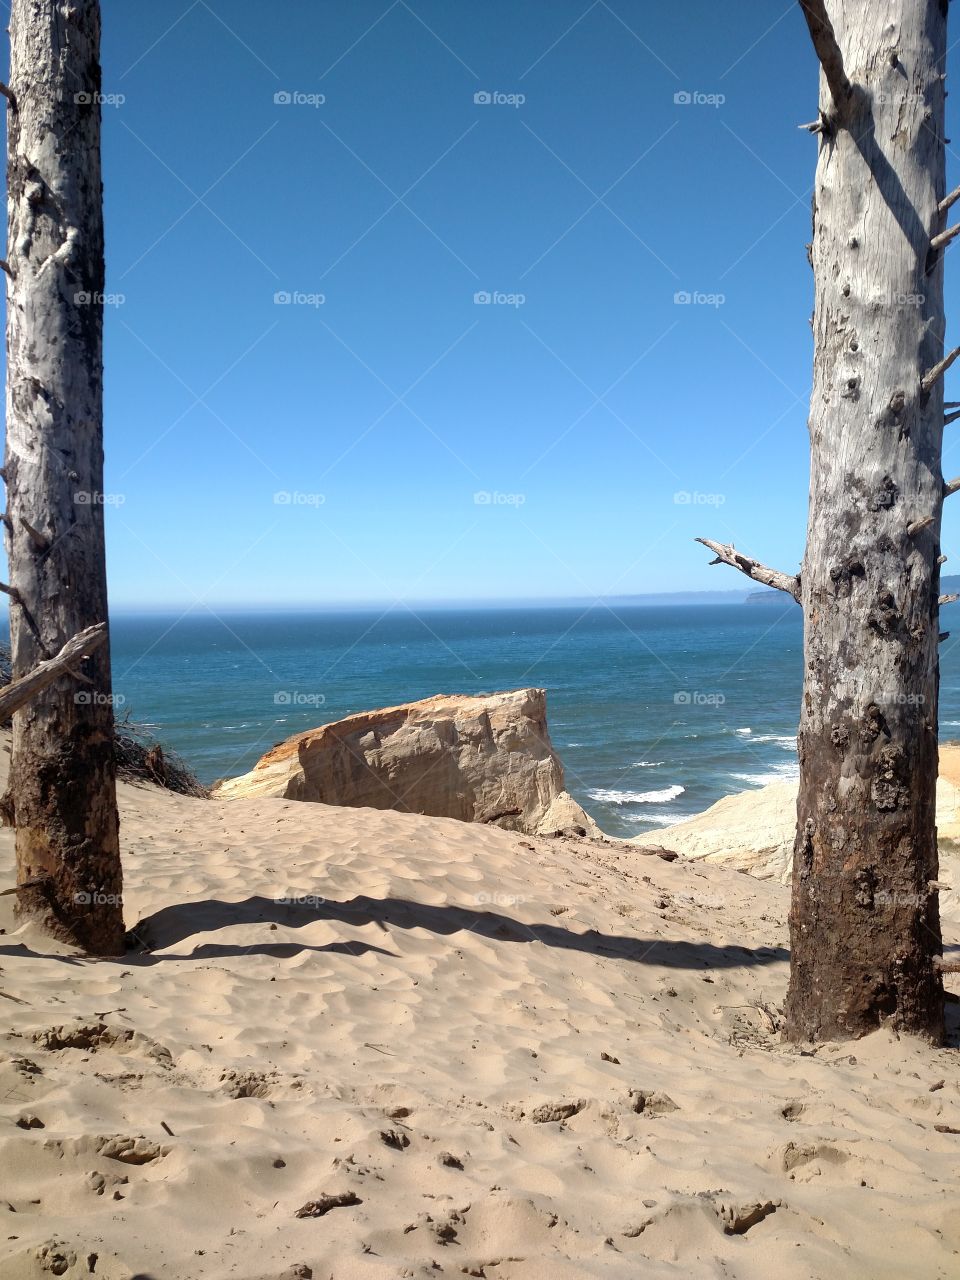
584	410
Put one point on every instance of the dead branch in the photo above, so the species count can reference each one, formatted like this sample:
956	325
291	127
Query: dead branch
19	692
929	379
944	238
753	568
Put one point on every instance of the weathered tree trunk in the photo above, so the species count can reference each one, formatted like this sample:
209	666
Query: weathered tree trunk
62	778
864	920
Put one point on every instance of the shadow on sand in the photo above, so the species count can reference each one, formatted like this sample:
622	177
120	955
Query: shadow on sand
190	920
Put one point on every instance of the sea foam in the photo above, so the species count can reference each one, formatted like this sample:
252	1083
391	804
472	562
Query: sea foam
611	796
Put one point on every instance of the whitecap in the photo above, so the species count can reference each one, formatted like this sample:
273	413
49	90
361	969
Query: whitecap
664	819
787	772
646	764
743	733
786	741
609	796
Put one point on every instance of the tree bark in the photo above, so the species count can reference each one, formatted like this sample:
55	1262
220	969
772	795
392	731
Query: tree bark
62	776
864	920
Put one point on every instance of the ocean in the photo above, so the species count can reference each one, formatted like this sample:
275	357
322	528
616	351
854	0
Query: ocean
656	711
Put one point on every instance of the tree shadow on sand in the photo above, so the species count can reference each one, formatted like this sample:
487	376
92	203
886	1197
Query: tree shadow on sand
190	920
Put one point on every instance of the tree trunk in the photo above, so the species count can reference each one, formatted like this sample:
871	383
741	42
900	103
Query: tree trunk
62	775
864	921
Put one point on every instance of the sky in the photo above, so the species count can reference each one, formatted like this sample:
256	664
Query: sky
435	301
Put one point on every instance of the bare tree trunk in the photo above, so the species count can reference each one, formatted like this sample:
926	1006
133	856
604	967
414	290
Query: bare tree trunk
62	777
864	920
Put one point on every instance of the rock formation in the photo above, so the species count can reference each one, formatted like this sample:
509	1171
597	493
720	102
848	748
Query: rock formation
479	759
753	831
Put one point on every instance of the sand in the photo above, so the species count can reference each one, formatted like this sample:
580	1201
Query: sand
465	1051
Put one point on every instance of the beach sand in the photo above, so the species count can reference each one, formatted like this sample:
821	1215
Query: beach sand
472	1052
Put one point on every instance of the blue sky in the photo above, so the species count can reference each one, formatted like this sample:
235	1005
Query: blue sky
581	401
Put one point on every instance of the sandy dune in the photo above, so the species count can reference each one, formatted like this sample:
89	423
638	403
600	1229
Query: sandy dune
468	1051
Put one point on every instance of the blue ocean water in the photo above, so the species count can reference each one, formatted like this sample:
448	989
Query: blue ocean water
656	711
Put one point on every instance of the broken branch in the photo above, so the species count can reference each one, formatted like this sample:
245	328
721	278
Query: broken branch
949	599
753	568
8	93
19	692
951	417
929	379
951	487
944	238
828	51
950	200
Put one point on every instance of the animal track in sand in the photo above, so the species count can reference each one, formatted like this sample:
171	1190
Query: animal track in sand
248	1084
795	1156
92	1037
54	1256
732	1217
99	1183
126	1150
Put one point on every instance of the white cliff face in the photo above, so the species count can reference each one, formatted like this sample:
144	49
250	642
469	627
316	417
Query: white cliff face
478	759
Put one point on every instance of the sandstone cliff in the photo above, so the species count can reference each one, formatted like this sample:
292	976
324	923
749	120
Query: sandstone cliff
479	759
753	831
